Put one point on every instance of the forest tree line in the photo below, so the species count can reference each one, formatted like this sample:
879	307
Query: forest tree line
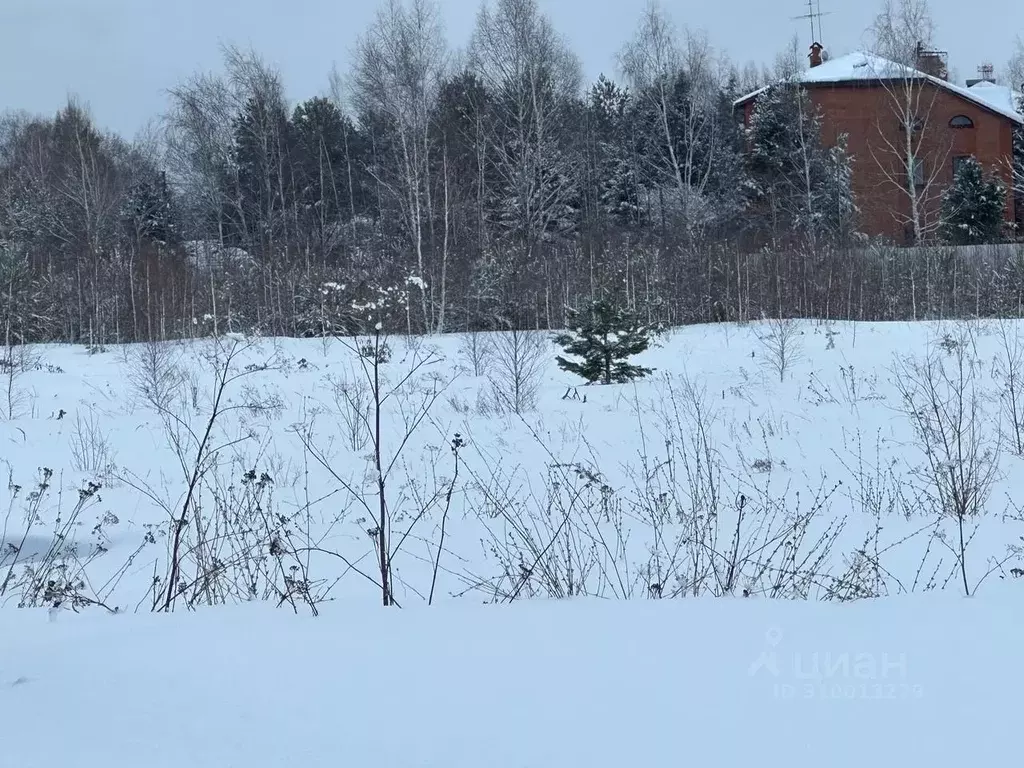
487	189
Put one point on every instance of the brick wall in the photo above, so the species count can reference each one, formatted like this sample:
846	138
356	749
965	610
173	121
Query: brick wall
870	114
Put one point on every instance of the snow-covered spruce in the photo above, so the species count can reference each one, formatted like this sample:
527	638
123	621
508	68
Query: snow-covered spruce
605	340
972	209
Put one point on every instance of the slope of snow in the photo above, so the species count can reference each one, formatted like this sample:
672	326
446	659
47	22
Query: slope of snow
909	681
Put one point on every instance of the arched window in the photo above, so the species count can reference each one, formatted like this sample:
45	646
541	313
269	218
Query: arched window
961	121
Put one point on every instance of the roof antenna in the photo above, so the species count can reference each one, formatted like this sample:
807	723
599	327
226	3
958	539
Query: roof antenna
813	14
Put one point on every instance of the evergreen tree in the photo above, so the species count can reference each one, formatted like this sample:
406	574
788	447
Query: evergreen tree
149	210
972	209
836	207
619	184
728	177
327	153
770	136
318	130
1018	165
795	182
605	341
261	136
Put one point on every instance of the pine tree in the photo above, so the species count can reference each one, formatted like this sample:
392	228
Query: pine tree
605	341
972	209
261	136
330	187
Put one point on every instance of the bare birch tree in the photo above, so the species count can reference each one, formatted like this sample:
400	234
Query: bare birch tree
400	63
534	79
199	142
913	160
653	63
1015	67
1015	76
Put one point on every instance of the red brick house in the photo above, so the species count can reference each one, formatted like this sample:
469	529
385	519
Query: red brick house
871	99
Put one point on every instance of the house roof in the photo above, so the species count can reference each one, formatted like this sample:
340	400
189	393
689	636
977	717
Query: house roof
860	67
998	96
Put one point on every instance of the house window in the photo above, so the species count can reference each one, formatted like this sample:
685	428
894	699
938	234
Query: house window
915	171
958	163
961	121
917	124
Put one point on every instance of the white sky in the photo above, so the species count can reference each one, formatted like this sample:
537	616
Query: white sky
120	56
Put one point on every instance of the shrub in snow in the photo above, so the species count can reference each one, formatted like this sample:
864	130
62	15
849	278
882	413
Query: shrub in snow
781	341
323	307
515	368
972	209
605	340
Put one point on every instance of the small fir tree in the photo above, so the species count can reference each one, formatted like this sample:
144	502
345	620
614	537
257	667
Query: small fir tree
605	340
972	209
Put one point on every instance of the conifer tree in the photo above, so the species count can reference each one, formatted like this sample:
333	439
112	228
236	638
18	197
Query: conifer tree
836	203
149	210
1018	164
797	184
785	159
728	177
972	209
605	340
618	182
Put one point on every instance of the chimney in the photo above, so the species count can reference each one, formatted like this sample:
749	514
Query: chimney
932	62
815	55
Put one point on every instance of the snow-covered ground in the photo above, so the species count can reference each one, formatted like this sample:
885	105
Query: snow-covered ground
717	476
919	680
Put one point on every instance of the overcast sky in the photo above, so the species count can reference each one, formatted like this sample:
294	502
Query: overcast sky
120	56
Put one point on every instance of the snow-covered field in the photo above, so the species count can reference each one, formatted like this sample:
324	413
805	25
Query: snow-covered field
920	680
883	461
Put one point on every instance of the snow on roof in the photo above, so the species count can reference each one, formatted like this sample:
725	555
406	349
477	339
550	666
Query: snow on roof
860	67
1000	97
854	67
